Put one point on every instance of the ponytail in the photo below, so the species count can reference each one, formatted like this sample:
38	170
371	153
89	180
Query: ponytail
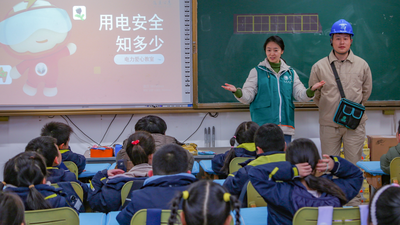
235	205
323	185
173	219
139	146
228	158
35	200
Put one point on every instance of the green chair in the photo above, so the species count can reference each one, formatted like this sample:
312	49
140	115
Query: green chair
140	217
234	164
395	170
72	167
343	216
56	216
77	188
125	191
254	199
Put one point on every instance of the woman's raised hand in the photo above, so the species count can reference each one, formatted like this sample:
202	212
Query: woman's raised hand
229	87
317	85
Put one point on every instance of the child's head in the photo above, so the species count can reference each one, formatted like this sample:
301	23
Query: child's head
205	202
304	150
12	210
59	131
170	159
151	124
47	147
27	169
384	207
140	147
269	137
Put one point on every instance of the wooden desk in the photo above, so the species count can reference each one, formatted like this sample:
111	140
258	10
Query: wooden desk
373	173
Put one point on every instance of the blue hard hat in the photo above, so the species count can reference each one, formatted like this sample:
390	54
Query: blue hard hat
341	27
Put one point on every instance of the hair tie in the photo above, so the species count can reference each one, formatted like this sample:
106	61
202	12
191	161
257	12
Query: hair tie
185	195
135	142
234	137
374	220
227	197
31	186
4	183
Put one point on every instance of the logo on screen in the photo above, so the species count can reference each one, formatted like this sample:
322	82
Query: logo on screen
5	74
79	12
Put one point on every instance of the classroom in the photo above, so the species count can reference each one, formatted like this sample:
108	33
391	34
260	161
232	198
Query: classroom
219	53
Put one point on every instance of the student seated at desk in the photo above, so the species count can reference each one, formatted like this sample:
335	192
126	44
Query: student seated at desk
244	136
47	147
171	176
25	175
270	143
62	133
207	199
157	127
12	210
391	154
105	188
301	182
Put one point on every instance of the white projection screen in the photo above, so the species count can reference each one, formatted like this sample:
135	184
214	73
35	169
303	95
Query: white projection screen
95	53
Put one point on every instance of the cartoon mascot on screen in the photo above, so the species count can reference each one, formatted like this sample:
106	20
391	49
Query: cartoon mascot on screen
37	32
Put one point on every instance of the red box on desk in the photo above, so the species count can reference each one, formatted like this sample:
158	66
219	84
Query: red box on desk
100	153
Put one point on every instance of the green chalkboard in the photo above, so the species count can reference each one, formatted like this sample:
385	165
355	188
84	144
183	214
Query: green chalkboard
225	56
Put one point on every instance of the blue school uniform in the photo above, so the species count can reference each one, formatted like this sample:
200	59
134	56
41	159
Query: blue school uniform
242	150
105	194
235	182
157	192
51	194
56	175
78	159
285	198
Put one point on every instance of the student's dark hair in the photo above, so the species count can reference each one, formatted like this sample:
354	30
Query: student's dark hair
45	146
151	124
244	134
276	39
269	137
139	146
387	206
205	204
303	150
12	210
26	170
398	128
57	130
170	159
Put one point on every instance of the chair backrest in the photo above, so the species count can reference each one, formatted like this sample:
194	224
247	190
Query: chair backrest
254	199
72	167
343	216
55	216
395	170
77	188
234	164
125	191
140	217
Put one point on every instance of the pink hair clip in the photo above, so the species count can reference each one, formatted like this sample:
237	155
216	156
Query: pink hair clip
135	142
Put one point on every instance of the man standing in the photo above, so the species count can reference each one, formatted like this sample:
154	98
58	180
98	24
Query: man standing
355	76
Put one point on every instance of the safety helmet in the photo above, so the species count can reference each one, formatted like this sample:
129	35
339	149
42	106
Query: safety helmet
341	27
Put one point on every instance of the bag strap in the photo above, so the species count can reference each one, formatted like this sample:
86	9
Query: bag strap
339	84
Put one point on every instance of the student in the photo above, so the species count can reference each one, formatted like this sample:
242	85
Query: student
384	207
12	210
62	132
391	154
170	176
105	192
271	88
244	136
157	127
303	185
25	175
47	147
270	144
205	202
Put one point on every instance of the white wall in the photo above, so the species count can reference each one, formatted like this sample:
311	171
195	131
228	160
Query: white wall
18	131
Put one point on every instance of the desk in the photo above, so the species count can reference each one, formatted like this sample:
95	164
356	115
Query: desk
195	168
92	169
373	173
112	218
253	216
92	218
219	181
207	166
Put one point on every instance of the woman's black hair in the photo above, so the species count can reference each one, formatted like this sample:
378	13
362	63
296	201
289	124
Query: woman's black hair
205	205
151	124
398	128
387	206
26	170
304	150
140	145
276	39
244	134
12	210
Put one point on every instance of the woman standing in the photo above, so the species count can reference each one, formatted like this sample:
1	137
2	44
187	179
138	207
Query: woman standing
271	88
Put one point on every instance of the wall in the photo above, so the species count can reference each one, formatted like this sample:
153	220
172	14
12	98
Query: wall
18	131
